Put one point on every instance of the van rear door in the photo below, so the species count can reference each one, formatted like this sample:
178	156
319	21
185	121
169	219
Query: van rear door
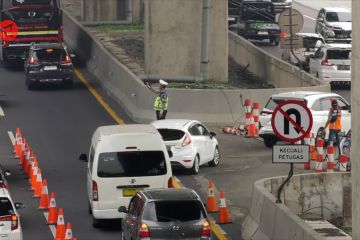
121	174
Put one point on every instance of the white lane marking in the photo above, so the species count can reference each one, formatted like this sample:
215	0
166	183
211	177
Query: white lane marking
52	227
309	17
2	112
12	138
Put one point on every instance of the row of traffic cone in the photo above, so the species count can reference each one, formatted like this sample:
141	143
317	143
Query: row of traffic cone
29	164
212	206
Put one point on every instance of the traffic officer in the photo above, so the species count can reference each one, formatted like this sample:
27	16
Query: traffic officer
334	122
161	101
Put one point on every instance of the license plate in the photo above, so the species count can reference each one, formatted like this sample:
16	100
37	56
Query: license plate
263	33
47	68
129	192
343	67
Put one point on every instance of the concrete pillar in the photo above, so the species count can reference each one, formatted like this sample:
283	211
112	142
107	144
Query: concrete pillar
173	38
105	10
355	121
108	10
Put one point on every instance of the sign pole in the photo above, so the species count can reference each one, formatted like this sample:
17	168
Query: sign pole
291	172
291	44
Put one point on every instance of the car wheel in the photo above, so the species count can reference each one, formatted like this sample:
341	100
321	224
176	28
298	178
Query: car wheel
29	84
270	142
69	84
89	209
196	165
216	159
96	222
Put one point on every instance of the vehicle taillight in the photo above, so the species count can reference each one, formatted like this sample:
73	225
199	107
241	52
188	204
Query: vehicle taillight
3	184
326	63
170	182
14	220
144	231
187	140
95	191
206	230
61	34
33	60
67	60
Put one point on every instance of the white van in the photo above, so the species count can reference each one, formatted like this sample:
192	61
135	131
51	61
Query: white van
124	159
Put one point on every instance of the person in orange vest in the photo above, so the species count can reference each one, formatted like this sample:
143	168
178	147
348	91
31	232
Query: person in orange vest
334	122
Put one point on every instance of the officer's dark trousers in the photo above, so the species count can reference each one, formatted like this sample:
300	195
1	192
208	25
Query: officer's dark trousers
160	115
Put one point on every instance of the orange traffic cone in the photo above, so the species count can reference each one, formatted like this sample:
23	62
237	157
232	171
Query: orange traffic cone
211	200
60	226
17	136
31	165
251	131
53	214
68	232
34	176
38	185
27	159
22	152
44	198
224	216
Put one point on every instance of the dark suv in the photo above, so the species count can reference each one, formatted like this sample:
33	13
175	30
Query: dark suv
48	63
165	214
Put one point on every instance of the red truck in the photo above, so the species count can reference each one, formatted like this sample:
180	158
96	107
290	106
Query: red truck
37	21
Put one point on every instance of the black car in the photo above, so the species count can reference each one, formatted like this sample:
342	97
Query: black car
257	21
48	63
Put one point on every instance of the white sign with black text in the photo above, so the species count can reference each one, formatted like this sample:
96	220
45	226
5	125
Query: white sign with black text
291	154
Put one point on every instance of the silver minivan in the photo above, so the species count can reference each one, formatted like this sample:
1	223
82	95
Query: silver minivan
165	214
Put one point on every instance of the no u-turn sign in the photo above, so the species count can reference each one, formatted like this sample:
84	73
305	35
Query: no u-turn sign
291	120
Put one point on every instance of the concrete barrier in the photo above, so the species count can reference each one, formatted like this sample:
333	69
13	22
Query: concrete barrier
313	196
210	106
272	70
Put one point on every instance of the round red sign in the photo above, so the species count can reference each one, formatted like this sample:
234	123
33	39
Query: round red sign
9	30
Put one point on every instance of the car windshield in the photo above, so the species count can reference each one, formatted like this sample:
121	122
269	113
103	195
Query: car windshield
338	17
131	164
259	11
171	134
339	54
5	207
32	15
167	211
50	54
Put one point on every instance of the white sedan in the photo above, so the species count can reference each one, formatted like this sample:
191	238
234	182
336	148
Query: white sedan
319	104
191	143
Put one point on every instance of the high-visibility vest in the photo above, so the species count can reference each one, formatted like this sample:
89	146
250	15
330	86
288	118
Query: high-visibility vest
335	125
158	105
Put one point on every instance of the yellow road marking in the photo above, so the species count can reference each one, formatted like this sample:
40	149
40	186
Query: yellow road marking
98	97
177	184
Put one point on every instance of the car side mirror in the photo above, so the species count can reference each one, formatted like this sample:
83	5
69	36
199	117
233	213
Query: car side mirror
212	134
170	153
83	157
122	209
19	205
7	173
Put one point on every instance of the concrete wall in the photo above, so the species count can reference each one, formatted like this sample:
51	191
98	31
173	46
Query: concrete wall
267	67
211	106
103	10
355	114
322	195
173	38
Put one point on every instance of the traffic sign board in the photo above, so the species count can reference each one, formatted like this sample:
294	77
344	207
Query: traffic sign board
291	21
291	154
291	120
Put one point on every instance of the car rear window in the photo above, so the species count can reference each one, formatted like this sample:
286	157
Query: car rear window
338	54
50	54
272	103
5	207
171	134
131	164
167	211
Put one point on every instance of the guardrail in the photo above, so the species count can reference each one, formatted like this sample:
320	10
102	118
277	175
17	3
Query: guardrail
211	106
